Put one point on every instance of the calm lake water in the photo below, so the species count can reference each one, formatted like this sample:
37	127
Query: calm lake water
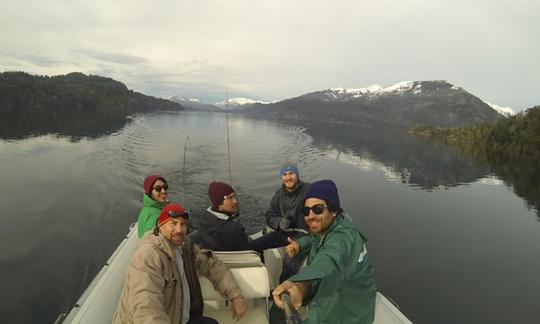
450	241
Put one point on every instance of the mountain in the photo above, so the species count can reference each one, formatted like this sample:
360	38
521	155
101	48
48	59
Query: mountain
74	104
238	103
73	93
403	104
193	104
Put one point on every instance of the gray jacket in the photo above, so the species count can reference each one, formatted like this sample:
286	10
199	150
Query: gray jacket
288	205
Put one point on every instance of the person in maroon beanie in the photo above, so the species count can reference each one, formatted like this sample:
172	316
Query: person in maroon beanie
220	228
154	199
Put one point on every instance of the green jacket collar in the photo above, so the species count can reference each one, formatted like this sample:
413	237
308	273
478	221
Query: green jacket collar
149	202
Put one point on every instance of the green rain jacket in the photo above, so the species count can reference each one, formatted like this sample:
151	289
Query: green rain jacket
343	286
149	214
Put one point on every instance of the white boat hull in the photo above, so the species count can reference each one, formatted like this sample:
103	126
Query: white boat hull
99	301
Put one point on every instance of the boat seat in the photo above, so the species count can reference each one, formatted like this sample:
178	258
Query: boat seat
252	277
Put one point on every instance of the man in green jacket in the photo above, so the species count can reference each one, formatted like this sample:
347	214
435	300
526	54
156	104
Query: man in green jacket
154	199
337	283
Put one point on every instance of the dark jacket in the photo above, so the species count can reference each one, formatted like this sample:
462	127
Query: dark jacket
287	204
343	285
221	232
153	290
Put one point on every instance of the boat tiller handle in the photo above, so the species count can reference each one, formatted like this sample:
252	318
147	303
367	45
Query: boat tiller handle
291	314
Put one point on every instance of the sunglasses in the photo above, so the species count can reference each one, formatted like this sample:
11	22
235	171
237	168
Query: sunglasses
175	214
317	209
158	188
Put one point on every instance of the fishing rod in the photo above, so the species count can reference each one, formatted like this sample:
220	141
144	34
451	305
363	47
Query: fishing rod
186	142
228	137
291	314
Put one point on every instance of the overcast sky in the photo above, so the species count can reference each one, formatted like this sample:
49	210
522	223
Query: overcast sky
271	50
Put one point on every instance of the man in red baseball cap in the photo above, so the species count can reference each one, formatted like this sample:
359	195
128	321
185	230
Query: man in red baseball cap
162	284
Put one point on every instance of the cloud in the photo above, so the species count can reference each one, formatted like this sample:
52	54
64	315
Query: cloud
271	50
112	57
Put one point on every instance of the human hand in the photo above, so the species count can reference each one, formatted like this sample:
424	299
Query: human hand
296	290
284	224
293	248
238	308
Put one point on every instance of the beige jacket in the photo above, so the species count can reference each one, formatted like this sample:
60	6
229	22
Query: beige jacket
153	287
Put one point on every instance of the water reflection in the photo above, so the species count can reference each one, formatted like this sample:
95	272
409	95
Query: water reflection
399	156
519	173
67	204
75	126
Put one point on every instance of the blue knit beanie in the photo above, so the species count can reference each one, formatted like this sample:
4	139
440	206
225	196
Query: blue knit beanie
325	190
289	166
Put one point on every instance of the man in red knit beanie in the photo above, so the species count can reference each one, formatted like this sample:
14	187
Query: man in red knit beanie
162	281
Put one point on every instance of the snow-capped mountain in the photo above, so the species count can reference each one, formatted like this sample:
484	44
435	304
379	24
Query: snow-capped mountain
505	111
400	88
193	103
197	104
404	104
238	103
183	99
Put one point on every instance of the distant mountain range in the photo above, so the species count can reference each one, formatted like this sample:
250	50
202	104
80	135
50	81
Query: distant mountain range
403	104
40	101
193	104
237	103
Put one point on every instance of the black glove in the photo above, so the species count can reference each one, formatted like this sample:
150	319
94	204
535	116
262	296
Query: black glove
284	224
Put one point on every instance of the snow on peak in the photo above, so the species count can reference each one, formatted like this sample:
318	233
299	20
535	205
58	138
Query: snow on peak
180	98
238	101
356	92
505	111
401	87
375	89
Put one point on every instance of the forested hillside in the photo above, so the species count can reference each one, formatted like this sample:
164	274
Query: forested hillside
515	136
68	104
511	147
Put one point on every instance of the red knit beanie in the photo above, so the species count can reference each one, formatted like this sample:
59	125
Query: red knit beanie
174	209
149	183
217	191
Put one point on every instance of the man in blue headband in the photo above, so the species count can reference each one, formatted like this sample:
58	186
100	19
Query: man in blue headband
284	216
